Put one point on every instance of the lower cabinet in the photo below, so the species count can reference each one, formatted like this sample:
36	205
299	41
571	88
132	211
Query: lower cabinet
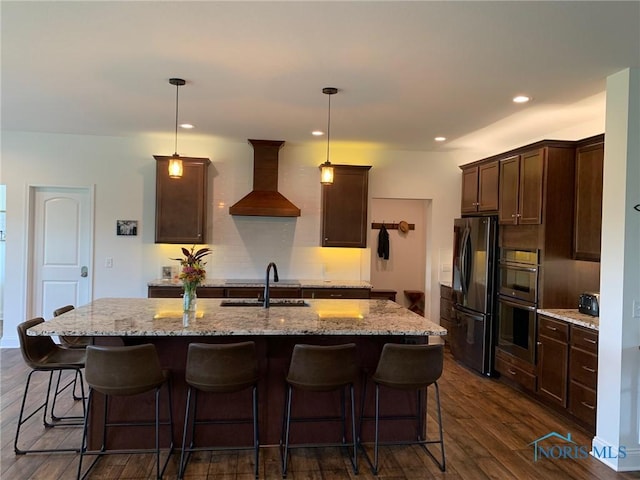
568	368
583	374
255	292
516	370
553	359
446	305
336	293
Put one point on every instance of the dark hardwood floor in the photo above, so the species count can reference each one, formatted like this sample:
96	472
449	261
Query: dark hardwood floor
488	428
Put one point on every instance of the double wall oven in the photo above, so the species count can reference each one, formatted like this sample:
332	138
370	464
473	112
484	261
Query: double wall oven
517	302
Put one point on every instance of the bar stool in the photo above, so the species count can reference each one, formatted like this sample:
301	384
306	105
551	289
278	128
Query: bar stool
42	354
69	341
407	367
321	369
219	369
125	371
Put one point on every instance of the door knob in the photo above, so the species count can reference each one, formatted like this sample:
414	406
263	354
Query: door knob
84	271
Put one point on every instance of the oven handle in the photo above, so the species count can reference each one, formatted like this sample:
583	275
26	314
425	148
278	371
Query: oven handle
511	266
531	308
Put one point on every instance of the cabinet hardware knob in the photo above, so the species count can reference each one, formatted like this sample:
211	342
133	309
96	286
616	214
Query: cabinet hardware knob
591	370
513	215
539	344
590	407
553	329
512	372
589	340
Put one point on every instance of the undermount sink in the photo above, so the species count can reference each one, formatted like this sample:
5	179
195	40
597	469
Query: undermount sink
274	302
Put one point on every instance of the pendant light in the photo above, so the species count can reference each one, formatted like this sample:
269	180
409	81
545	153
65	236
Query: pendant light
175	162
326	170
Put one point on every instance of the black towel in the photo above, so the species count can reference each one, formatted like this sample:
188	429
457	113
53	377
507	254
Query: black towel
383	243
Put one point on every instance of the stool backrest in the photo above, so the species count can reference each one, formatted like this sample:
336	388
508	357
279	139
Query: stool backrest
125	370
409	366
319	367
34	349
222	367
59	311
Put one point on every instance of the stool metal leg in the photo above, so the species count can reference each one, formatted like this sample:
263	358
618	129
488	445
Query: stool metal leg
287	417
256	433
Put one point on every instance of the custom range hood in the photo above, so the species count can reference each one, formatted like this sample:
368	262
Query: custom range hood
265	200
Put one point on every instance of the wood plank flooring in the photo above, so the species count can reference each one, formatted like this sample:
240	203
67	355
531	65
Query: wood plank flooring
488	428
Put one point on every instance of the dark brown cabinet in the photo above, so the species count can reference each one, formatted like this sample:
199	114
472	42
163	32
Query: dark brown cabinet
588	204
181	203
480	188
344	207
521	181
553	359
583	374
176	292
446	306
336	293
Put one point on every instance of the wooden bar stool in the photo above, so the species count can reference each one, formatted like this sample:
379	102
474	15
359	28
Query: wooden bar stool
219	369
407	367
42	354
125	371
321	369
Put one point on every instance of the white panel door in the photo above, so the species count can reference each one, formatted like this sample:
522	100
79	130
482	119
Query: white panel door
61	249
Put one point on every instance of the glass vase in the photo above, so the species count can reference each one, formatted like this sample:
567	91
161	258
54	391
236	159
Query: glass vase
189	299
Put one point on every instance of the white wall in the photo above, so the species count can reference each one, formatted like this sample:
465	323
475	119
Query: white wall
123	172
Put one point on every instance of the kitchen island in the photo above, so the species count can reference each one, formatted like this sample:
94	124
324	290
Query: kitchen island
127	321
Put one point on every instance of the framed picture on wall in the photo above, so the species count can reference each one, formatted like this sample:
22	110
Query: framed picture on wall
127	227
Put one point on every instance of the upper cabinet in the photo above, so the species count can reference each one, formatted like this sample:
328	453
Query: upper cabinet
344	207
181	203
588	205
480	188
521	189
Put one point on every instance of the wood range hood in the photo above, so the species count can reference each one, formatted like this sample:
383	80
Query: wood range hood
265	200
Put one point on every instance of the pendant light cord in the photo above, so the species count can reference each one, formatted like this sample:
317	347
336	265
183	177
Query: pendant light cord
328	128
176	141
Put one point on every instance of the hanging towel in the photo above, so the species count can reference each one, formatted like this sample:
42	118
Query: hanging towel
383	243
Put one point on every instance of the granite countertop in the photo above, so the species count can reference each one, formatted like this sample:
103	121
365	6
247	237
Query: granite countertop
283	283
572	315
163	317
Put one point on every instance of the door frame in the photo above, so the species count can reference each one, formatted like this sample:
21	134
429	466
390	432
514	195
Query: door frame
30	233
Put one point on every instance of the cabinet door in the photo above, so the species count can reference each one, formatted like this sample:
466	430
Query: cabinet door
488	176
508	191
469	202
553	360
181	202
588	214
530	194
344	207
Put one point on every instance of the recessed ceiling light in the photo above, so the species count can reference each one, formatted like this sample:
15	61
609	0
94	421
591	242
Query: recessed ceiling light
521	99
317	133
440	139
186	126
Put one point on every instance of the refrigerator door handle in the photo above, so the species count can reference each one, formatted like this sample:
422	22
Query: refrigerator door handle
466	260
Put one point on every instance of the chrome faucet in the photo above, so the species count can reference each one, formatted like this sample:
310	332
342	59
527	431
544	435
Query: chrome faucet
266	282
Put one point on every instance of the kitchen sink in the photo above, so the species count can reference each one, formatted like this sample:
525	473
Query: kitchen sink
274	302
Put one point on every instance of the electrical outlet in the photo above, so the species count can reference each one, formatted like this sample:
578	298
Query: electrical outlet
636	309
108	262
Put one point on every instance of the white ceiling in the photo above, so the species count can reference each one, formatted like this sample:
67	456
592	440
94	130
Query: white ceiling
407	71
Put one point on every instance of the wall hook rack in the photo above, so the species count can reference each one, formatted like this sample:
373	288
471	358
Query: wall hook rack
390	226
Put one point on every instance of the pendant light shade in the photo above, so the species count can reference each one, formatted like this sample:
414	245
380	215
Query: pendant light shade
175	162
326	169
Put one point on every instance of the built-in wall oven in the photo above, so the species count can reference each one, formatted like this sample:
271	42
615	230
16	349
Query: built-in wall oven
517	302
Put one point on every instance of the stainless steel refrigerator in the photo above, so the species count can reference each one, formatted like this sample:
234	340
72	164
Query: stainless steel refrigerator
473	335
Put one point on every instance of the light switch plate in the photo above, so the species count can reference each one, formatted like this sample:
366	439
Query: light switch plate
636	309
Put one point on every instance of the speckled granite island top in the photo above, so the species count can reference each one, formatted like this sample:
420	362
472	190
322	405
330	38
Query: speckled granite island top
572	315
163	317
